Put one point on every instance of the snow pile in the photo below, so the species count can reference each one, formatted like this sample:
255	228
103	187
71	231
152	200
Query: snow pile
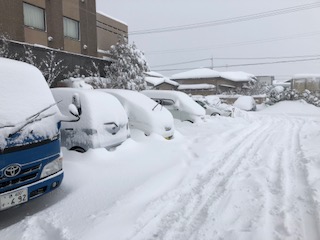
75	83
246	103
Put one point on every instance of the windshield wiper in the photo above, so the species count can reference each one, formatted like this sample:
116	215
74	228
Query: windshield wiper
156	106
34	118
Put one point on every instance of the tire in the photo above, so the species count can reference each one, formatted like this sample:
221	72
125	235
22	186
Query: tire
78	149
215	114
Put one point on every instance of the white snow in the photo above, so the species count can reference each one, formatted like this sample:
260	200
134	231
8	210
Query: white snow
23	93
144	114
246	103
254	176
238	76
196	86
197	73
306	75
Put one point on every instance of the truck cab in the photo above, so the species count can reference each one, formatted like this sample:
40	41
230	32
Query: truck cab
30	157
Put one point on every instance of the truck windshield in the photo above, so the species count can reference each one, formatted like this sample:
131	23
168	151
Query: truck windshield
38	116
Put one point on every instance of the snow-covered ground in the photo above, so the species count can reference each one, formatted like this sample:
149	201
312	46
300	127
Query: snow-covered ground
255	176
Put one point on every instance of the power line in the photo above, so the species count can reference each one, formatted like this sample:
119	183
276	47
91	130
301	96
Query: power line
244	64
225	21
238	58
179	63
244	43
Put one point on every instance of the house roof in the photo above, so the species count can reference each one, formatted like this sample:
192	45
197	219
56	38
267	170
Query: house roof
155	81
196	86
238	76
196	73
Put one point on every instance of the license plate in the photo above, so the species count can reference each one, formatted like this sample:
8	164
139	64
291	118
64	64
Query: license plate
13	198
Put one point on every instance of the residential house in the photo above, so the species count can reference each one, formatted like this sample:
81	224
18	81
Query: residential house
213	82
302	82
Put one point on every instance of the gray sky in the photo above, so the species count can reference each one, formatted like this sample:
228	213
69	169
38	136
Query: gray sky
293	34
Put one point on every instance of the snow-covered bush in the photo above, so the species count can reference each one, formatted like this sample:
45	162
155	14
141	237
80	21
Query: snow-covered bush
51	67
278	94
127	69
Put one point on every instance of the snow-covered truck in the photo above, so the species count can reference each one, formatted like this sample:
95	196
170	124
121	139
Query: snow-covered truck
30	157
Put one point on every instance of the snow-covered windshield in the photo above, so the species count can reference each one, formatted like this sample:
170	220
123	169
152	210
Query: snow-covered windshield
25	98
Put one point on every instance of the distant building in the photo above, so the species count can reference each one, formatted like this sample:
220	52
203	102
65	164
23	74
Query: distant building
265	79
68	25
213	82
311	82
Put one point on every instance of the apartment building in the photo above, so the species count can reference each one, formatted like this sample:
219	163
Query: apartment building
69	25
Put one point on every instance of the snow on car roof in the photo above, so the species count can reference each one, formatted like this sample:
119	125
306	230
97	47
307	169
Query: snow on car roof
197	73
139	106
97	107
181	98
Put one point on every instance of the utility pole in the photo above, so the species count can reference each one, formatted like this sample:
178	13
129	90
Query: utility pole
212	62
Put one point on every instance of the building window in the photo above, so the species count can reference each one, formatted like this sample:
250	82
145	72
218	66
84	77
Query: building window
33	16
71	28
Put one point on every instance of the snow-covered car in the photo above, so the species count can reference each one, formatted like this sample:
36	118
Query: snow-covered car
246	103
178	103
213	110
100	125
144	114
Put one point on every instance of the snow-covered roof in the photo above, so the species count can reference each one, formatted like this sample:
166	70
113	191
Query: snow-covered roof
153	74
196	86
197	73
115	19
238	76
306	75
155	81
227	85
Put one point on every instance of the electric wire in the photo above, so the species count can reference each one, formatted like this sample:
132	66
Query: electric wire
225	21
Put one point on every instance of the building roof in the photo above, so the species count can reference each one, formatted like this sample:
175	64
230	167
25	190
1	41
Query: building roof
238	76
197	73
196	86
156	79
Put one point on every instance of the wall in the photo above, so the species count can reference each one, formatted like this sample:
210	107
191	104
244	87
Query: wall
108	32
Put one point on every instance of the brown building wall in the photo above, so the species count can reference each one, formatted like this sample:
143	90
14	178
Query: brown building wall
55	25
70	9
109	31
14	30
88	27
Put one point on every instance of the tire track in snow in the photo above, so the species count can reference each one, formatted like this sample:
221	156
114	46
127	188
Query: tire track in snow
182	219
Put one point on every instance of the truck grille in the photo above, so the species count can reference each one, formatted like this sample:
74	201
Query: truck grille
28	173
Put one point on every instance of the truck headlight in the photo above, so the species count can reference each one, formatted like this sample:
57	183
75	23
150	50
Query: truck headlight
52	168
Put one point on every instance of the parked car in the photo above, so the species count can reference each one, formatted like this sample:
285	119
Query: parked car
103	123
30	155
179	104
246	103
144	114
214	110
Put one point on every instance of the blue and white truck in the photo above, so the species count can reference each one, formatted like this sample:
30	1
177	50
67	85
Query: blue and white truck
30	155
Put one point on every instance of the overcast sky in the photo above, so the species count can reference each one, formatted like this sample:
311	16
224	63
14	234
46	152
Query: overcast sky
285	35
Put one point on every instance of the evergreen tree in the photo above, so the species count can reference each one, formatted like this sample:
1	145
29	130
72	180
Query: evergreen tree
126	71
